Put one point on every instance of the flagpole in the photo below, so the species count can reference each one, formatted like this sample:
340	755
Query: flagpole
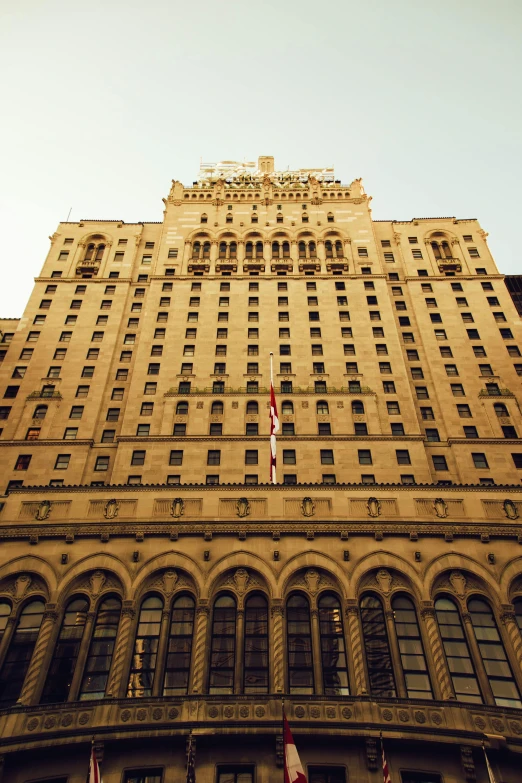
491	775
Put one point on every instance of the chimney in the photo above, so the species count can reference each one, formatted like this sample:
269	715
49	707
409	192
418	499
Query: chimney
265	164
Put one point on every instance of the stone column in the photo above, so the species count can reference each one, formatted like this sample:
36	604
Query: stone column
49	619
240	647
482	677
321	255
294	256
316	652
157	687
278	667
240	251
214	249
200	646
8	635
395	654
514	636
121	651
82	657
441	682
348	253
356	647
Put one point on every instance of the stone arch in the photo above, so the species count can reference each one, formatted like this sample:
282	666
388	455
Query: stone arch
31	564
312	560
236	561
511	580
92	563
181	564
453	562
383	560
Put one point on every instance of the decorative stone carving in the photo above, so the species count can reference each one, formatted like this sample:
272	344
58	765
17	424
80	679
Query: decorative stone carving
387	715
510	509
260	712
374	507
43	510
170	579
307	507
21	586
458	583
299	712
96	581
440	507
371	754
312	579
111	509
177	508
385	580
241	580
346	713
243	711
468	765
242	507
420	717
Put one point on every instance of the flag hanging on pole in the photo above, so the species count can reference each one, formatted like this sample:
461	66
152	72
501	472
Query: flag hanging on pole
94	768
492	778
274	426
293	767
385	770
191	760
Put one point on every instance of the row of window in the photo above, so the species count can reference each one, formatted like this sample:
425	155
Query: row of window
403	674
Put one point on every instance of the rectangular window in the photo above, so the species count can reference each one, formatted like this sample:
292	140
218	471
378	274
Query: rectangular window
318	368
385	368
212	479
479	350
82	391
389	258
464	411
436	318
216	429
62	462
439	462
422	392
416	254
365	457
251	429
113	414
285	368
427	414
513	350
431	302
180	430
76	412
362	252
23	461
327	457
393	408
467	318
432	435
381	349
506	334
479	460
324	428
470	432
154	368
457	389
108	436
403	457
486	369
388	387
451	369
138	457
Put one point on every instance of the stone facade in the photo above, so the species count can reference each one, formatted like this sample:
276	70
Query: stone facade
134	450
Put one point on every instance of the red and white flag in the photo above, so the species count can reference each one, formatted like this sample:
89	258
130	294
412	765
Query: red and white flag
385	770
274	426
293	767
94	768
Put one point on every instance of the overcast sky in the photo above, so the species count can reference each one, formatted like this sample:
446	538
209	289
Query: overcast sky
105	102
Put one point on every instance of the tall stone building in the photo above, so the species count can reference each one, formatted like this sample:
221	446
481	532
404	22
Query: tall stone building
152	581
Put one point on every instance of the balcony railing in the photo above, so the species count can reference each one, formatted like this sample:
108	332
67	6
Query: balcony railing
496	393
38	395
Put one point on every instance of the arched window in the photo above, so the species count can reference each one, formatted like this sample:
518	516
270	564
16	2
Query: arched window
287	407
206	250
457	652
204	218
144	658
377	648
302	250
328	249
304	218
255	670
275	249
196	247
182	408
299	641
322	407
249	250
357	407
330	217
177	667
339	249
312	249
335	670
279	218
222	249
286	249
99	252
89	252
518	612
99	658
252	408
61	670
446	249
411	650
217	408
40	412
5	611
436	250
20	652
228	218
259	250
500	409
223	646
496	664
233	250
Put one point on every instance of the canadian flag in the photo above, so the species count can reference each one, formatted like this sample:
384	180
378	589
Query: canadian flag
94	769
293	768
274	427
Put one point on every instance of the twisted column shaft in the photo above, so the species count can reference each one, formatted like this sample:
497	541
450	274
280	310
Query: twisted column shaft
121	650
354	634
198	671
277	648
443	679
34	671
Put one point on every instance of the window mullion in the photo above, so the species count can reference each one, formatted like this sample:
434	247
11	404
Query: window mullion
159	674
316	650
240	649
395	652
82	656
480	671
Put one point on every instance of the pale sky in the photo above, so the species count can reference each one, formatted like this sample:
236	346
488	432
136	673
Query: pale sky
104	103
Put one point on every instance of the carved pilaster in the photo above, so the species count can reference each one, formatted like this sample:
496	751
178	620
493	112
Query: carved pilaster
354	633
280	751
121	650
468	765
437	652
202	615
515	636
371	754
49	619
